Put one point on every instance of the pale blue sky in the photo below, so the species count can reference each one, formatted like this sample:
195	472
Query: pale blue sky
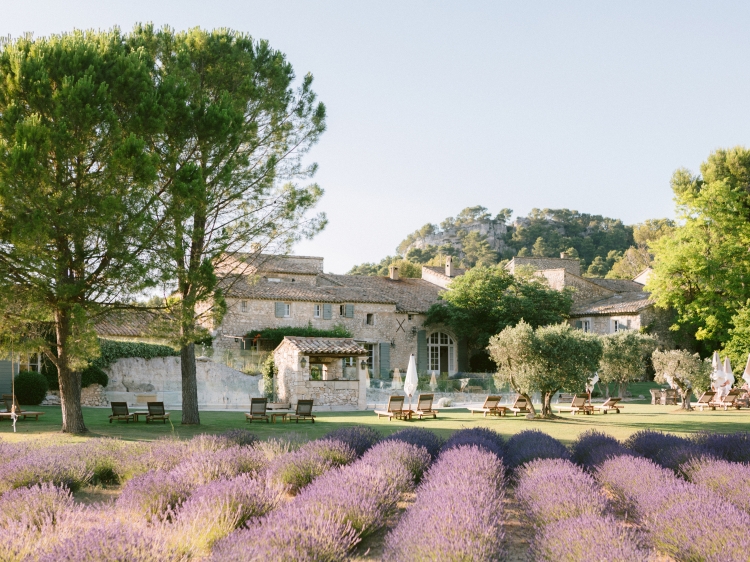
436	106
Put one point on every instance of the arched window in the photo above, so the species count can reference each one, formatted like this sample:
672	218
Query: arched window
442	353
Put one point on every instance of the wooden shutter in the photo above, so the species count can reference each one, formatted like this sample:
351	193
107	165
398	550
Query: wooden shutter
421	351
463	356
327	312
280	309
385	359
349	311
579	324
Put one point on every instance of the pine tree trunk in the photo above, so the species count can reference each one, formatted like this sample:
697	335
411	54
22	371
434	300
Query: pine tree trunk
70	381
190	413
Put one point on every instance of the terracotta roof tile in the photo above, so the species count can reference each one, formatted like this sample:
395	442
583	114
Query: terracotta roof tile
441	271
621	303
617	285
128	323
326	346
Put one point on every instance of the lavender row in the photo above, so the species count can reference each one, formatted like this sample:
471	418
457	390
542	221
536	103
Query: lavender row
333	513
569	511
681	519
458	513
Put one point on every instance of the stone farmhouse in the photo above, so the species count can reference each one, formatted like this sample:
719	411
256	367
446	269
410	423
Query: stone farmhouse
385	315
601	306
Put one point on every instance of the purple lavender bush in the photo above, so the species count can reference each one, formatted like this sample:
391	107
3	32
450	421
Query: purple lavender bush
419	436
36	506
480	436
301	467
589	537
552	490
630	480
389	457
292	534
239	437
218	508
140	458
359	494
532	444
359	438
153	495
58	465
734	447
208	465
730	480
593	447
458	514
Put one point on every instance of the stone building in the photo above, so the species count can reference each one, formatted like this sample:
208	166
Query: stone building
316	369
385	315
601	306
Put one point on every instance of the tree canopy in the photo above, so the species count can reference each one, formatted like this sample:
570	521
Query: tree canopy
485	300
685	370
701	269
545	360
624	355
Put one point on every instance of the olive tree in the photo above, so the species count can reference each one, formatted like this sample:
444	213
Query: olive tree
680	368
624	357
545	360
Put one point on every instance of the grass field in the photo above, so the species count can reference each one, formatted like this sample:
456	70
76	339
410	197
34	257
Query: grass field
635	416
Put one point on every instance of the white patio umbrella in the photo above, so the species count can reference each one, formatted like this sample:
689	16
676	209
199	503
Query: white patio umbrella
728	377
411	380
433	382
590	384
717	375
396	384
716	362
746	374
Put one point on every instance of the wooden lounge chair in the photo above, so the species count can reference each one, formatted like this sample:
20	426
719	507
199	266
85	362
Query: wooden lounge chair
257	409
156	412
303	412
669	397
655	395
424	406
395	409
10	399
706	400
609	404
578	404
520	406
490	407
729	401
120	412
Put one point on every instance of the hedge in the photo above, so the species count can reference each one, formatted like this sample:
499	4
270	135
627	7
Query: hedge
276	335
30	388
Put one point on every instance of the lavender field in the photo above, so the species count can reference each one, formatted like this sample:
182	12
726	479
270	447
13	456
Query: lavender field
357	495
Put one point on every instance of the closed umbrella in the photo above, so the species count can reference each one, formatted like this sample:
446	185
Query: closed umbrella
728	377
746	374
411	381
396	384
716	362
433	382
590	384
717	376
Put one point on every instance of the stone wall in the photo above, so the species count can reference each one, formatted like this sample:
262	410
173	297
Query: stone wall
136	381
94	395
605	324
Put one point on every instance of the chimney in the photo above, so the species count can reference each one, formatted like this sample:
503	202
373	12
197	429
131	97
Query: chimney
563	256
393	271
449	266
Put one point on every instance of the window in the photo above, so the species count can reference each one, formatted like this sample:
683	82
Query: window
243	306
341	310
411	317
282	309
370	347
370	319
441	353
317	311
316	372
346	310
617	326
587	325
274	280
29	362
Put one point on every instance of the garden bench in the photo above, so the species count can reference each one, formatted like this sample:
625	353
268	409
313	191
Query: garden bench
9	400
491	406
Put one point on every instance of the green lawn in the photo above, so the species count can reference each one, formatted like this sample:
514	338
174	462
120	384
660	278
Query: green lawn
635	416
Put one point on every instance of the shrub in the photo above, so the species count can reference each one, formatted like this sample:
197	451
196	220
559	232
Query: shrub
419	436
31	388
730	480
532	444
204	467
154	495
669	451
479	436
552	490
586	538
593	447
58	465
111	350
733	447
390	456
358	438
239	437
292	534
274	336
301	467
631	479
93	375
454	518
35	506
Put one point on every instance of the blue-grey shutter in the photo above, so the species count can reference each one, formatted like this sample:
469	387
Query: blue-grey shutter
385	359
463	356
349	311
280	309
327	312
579	324
6	379
421	351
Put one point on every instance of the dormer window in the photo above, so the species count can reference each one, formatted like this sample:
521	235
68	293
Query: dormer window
274	280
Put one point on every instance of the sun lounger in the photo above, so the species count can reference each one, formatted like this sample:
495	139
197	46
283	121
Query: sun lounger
578	404
424	406
303	412
395	409
520	406
120	412
257	409
490	407
9	400
156	412
729	401
706	400
609	404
